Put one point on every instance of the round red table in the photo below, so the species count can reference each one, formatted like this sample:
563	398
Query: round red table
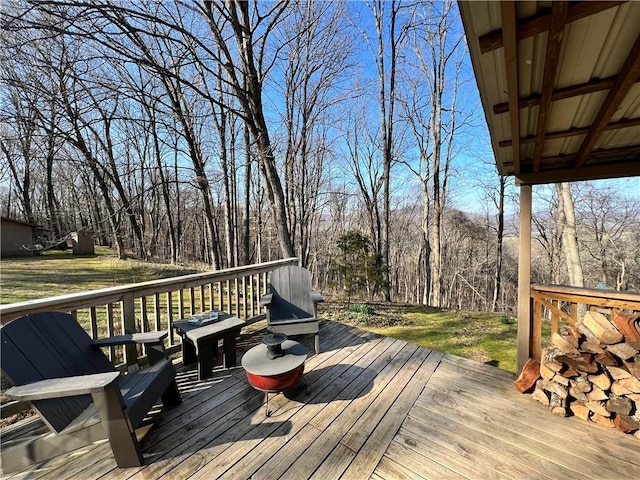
271	373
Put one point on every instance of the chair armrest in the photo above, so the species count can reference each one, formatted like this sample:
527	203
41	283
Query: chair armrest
265	300
132	338
63	387
316	297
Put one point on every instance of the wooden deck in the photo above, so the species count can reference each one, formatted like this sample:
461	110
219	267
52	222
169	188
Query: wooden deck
374	407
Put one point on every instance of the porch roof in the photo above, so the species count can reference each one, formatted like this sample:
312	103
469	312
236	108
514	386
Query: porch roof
559	86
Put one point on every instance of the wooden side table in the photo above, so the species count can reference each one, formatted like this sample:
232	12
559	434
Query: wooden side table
200	342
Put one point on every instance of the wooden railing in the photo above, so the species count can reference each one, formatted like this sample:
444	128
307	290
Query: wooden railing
154	305
554	305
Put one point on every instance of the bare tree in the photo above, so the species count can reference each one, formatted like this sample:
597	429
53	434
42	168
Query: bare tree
435	119
390	34
606	219
566	215
315	60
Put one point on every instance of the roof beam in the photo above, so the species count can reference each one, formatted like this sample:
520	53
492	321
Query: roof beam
594	85
559	11
572	132
626	78
540	22
508	13
589	172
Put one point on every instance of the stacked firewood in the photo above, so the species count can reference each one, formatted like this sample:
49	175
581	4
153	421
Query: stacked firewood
591	371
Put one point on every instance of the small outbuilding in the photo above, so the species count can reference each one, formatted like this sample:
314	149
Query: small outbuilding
82	243
16	237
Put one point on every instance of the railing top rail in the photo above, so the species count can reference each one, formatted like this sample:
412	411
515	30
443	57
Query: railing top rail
101	296
585	293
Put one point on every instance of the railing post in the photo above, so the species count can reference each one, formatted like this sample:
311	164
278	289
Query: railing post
536	330
129	326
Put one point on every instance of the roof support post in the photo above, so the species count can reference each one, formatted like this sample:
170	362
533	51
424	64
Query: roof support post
524	278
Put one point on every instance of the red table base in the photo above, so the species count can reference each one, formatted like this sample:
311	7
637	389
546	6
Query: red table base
276	383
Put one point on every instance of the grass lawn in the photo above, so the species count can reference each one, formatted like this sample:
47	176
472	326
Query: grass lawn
59	272
484	337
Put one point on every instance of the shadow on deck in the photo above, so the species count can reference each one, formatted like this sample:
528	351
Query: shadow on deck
374	407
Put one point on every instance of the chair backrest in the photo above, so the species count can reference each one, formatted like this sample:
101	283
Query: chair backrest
291	289
50	345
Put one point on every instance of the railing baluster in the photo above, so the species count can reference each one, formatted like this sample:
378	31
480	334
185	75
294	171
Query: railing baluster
112	350
236	296
203	303
144	319
192	301
93	320
156	311
220	296
244	298
211	302
253	295
170	318
181	303
229	303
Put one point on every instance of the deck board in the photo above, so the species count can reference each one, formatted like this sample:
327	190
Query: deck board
374	407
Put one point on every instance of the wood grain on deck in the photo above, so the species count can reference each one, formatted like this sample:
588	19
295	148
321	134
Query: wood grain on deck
374	407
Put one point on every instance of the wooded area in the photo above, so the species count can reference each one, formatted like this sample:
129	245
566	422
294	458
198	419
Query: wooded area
228	133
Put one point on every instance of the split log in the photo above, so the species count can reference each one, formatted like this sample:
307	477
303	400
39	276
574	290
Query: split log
579	410
564	345
530	374
558	405
597	394
549	356
571	335
607	359
580	384
619	405
632	384
635	397
628	325
582	363
541	396
627	423
602	420
602	328
561	380
618	373
569	372
601	381
591	346
623	351
580	397
588	334
546	372
598	408
553	387
619	389
633	366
